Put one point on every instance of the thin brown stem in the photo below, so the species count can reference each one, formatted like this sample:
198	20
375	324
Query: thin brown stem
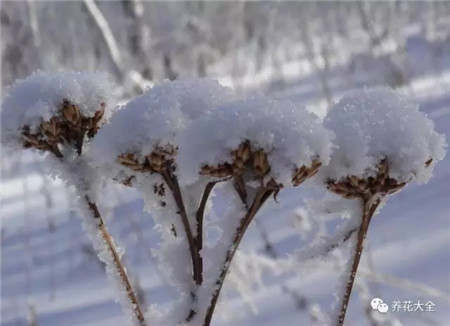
261	196
117	261
199	217
172	183
369	207
108	241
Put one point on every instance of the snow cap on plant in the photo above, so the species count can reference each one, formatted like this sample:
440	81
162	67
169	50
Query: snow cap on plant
272	140
383	141
141	136
55	112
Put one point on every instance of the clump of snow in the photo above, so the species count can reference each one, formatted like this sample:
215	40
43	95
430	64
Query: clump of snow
38	98
373	124
154	119
290	135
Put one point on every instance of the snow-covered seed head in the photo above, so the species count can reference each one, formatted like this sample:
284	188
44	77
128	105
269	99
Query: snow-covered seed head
68	127
358	187
240	159
52	112
157	161
382	142
254	138
142	135
256	163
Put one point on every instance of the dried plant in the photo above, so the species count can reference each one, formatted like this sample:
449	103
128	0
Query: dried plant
67	131
370	191
248	165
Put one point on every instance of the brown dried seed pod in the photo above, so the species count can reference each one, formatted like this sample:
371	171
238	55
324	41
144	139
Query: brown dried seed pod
300	176
127	159
99	114
300	172
260	163
221	172
71	113
206	169
238	166
242	153
312	172
51	127
396	188
316	163
156	161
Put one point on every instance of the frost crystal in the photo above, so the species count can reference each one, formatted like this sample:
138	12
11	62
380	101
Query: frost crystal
376	124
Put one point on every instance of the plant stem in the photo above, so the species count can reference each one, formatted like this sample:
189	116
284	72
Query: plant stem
199	217
121	271
199	235
369	207
261	196
172	182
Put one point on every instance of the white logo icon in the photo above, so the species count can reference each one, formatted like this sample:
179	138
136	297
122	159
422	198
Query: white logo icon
383	308
378	304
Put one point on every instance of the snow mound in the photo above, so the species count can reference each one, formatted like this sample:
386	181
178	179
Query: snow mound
373	124
154	119
289	135
38	98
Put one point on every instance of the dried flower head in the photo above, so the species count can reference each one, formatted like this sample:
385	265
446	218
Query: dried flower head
303	173
255	165
255	137
69	127
375	124
52	111
359	187
160	159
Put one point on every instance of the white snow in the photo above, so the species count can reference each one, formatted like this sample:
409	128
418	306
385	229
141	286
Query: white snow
154	119
289	134
377	123
38	97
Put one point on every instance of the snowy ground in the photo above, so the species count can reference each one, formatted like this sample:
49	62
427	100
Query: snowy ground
46	261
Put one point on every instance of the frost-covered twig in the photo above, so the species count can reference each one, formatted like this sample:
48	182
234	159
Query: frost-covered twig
369	206
57	114
199	220
383	142
261	196
323	246
172	181
120	269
